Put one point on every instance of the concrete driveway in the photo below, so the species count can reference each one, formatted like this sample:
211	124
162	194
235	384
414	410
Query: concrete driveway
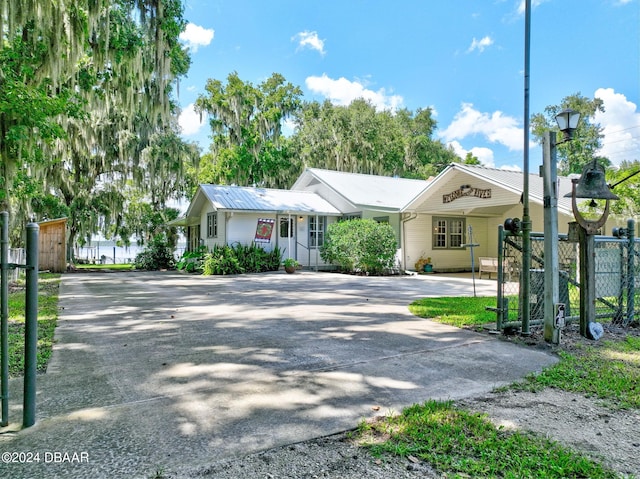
163	370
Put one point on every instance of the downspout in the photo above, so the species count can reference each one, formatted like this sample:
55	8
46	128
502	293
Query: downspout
318	240
405	220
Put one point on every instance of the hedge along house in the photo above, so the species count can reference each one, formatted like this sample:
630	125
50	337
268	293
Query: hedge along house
294	221
466	199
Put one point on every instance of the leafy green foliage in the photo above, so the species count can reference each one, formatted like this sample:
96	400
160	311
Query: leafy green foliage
246	120
629	203
467	444
238	259
360	246
573	155
359	139
290	263
222	260
157	255
192	261
86	110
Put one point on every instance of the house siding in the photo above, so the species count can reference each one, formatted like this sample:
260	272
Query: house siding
419	242
220	238
309	256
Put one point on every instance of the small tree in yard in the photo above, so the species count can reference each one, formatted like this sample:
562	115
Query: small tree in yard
360	246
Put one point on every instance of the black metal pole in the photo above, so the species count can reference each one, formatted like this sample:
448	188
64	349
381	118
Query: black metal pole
525	283
4	318
31	327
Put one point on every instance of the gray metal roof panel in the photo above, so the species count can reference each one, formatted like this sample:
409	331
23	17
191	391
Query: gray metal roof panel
371	190
241	198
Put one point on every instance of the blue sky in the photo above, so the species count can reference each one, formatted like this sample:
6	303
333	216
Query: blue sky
463	58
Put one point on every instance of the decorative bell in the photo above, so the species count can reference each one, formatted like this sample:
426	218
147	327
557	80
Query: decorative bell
592	184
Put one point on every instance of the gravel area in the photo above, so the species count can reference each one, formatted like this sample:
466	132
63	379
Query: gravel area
582	423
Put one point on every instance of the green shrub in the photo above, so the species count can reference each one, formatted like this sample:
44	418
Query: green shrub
239	259
191	261
255	259
157	255
222	260
361	246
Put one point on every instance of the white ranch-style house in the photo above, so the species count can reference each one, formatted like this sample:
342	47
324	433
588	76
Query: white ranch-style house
432	218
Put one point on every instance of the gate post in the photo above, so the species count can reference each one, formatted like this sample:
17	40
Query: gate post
500	293
4	318
631	273
31	327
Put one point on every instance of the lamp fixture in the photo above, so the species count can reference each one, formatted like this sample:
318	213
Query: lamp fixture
567	121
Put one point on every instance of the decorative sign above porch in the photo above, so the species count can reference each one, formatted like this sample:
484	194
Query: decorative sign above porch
466	190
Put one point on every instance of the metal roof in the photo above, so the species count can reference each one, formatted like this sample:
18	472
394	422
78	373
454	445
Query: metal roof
372	191
239	198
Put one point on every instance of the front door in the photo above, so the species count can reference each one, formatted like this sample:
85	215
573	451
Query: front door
287	236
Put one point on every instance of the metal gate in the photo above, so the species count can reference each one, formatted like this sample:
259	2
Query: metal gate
617	273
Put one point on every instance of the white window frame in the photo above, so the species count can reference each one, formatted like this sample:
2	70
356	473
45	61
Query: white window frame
448	232
317	232
212	225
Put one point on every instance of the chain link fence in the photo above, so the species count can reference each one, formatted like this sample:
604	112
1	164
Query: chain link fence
617	275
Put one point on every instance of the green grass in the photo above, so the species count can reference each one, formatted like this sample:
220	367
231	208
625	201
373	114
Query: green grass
119	267
48	286
459	311
609	370
463	444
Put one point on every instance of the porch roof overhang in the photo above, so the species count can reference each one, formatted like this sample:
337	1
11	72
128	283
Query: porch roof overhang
183	221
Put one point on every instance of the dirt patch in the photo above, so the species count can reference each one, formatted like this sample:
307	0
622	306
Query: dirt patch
609	436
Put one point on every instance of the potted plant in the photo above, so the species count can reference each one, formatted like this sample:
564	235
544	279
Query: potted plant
290	265
424	264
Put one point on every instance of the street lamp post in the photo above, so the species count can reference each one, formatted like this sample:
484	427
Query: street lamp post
567	121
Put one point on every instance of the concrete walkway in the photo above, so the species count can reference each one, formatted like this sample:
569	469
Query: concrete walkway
163	371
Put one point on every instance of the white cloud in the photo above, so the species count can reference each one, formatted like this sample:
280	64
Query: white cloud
485	155
621	126
196	36
308	39
496	127
534	4
480	45
343	92
190	122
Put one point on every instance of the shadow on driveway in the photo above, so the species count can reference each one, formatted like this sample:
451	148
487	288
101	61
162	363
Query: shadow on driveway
163	370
